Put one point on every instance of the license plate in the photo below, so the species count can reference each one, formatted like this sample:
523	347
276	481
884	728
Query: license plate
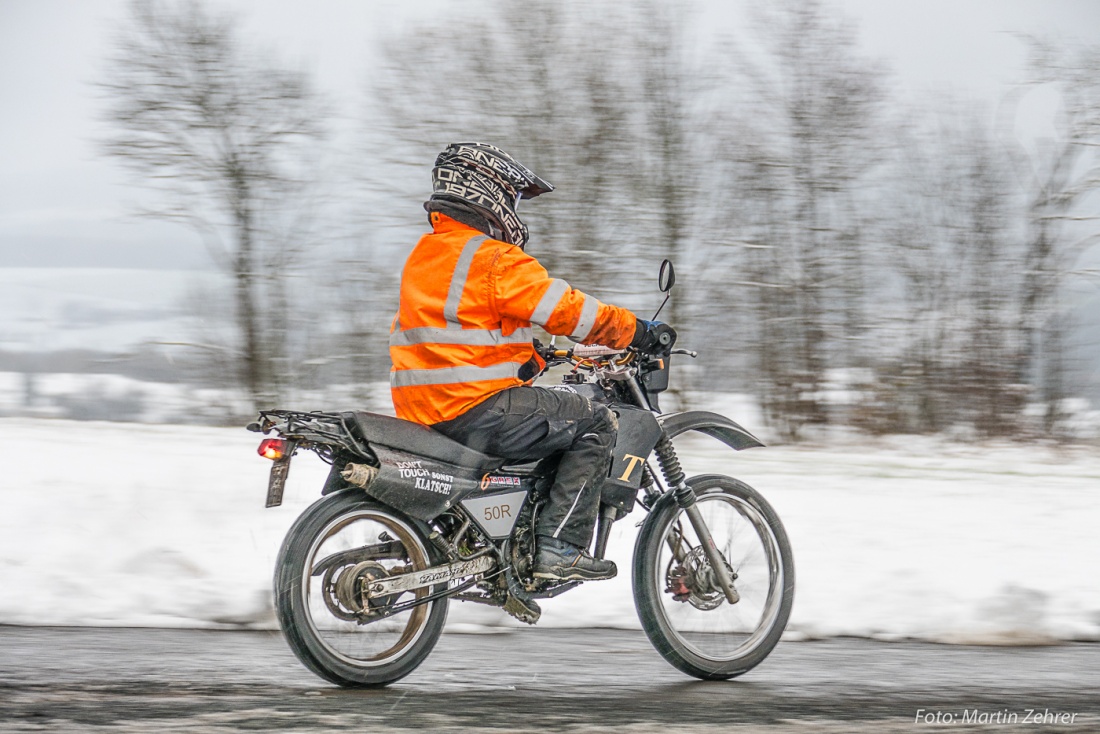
276	482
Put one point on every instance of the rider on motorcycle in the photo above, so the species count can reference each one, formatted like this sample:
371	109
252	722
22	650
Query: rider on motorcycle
463	355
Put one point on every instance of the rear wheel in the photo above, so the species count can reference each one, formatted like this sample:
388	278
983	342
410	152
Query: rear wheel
681	605
338	545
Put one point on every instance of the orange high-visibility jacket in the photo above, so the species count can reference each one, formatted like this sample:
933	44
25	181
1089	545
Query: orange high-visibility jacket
463	326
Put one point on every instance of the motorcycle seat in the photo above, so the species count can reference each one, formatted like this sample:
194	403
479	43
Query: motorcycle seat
421	440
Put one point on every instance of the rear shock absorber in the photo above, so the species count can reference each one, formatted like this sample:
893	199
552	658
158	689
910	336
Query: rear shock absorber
449	548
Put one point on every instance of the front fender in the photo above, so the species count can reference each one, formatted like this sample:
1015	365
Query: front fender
711	424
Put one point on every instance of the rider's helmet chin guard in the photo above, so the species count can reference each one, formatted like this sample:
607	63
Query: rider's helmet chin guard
485	177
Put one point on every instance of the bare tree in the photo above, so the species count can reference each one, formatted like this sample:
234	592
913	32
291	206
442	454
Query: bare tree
951	281
672	168
228	139
802	138
1062	176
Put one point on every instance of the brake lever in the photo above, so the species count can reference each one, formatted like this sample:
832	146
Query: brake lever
688	352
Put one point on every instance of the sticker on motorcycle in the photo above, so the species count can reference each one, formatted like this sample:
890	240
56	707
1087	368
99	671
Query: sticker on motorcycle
497	513
425	479
494	481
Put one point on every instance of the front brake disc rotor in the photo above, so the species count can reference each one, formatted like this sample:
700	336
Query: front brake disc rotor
705	591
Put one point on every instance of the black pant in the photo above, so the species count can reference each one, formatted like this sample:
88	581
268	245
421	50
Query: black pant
531	423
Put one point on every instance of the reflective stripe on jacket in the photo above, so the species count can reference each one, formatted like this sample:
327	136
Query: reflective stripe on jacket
463	327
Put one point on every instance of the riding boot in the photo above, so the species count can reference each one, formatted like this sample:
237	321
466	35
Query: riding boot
562	561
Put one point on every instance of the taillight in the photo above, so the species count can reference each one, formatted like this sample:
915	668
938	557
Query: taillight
272	448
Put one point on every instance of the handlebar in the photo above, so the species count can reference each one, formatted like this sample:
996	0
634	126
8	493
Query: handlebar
581	352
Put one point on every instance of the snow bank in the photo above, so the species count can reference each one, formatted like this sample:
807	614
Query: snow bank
139	525
120	398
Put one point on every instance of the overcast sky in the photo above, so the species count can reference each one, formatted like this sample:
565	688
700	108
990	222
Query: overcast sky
61	204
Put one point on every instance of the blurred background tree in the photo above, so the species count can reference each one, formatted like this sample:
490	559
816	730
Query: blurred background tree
1061	176
229	139
947	314
805	132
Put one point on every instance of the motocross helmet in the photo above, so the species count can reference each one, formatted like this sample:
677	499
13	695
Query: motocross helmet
486	178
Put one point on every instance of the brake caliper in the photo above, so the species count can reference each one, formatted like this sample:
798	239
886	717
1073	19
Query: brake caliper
677	585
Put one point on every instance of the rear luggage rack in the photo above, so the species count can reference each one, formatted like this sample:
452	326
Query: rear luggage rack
315	427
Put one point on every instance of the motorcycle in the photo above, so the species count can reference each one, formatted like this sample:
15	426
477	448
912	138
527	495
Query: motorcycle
410	520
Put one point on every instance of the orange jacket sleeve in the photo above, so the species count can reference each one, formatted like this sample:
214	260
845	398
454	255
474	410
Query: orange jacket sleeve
524	291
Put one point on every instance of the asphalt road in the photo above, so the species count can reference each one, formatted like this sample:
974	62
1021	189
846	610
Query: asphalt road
130	680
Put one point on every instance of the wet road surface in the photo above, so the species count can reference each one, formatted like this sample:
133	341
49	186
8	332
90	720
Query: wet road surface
133	680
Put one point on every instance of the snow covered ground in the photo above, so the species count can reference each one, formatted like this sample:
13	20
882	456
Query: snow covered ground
156	525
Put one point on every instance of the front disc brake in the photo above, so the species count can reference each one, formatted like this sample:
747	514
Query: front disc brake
693	581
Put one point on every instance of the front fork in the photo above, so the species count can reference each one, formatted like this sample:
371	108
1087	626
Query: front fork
685	498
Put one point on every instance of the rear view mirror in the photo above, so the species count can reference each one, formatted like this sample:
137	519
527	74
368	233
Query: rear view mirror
667	277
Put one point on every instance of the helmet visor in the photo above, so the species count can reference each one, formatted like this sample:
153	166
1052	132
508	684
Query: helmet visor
536	186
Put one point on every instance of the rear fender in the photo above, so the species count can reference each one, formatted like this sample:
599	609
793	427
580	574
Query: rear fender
711	424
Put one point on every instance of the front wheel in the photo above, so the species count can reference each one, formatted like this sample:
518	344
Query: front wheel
681	605
338	545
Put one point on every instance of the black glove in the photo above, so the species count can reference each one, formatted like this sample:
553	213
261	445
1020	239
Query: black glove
531	369
653	337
